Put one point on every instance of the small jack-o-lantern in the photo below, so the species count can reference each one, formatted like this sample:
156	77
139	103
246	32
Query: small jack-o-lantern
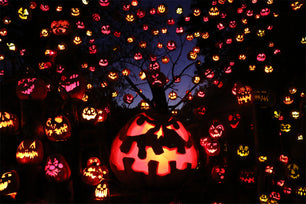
154	66
128	98
92	175
102	192
105	29
60	27
153	150
243	151
218	173
247	176
199	111
58	128
101	115
293	171
244	95
172	95
72	86
211	147
89	114
31	88
9	183
30	151
144	105
301	191
216	129
57	169
8	123
157	79
93	161
24	13
171	45
234	120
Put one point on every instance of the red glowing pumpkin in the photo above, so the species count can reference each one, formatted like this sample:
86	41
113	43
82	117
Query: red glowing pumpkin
31	88
72	86
152	150
57	169
30	151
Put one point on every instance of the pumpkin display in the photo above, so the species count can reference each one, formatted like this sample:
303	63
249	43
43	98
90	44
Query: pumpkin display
9	123
72	86
152	150
9	182
57	169
31	88
58	128
30	151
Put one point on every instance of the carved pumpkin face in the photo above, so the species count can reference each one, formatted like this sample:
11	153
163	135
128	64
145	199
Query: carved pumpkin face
8	123
23	13
147	148
243	151
301	191
157	79
73	86
93	161
89	113
293	171
234	120
102	191
9	182
247	177
60	27
128	98
218	173
57	169
216	129
171	45
200	111
31	88
105	29
30	151
154	66
211	147
58	128
92	175
244	95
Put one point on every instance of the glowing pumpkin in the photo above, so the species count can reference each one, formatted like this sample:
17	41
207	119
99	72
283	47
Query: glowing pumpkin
152	151
31	88
9	183
8	123
72	86
30	151
58	128
57	169
102	192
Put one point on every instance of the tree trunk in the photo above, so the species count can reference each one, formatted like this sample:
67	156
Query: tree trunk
159	100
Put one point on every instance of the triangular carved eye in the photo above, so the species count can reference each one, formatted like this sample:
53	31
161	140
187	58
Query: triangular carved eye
33	145
21	146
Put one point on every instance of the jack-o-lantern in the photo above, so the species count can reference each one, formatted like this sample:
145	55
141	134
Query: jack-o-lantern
9	123
89	114
216	129
60	27
144	105
93	161
172	95
243	151
102	192
301	191
153	150
31	88
30	151
247	176
128	98
72	86
244	95
211	146
293	171
104	3
58	128
234	120
171	45
92	175
101	115
9	183
105	29
218	173
57	169
199	111
154	66
157	79
24	13
214	11
162	9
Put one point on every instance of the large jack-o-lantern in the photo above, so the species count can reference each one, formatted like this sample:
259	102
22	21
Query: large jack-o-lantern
153	151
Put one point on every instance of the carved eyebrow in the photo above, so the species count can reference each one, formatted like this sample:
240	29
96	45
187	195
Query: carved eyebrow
33	145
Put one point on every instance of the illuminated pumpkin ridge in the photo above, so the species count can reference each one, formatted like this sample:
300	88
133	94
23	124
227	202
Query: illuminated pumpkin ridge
152	148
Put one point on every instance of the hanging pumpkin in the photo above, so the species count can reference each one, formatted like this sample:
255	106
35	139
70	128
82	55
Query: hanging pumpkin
128	98
9	123
30	151
152	150
57	169
9	183
58	128
31	88
60	27
72	86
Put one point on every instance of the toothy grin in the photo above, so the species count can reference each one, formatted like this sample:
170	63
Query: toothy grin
3	185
